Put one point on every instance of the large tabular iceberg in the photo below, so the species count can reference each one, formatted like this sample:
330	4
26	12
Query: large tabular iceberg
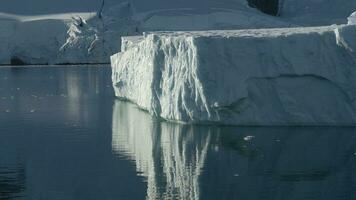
288	76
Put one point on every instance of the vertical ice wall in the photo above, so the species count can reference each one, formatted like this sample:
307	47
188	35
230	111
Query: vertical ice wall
247	77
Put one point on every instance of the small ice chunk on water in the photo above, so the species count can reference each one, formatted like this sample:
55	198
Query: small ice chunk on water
248	138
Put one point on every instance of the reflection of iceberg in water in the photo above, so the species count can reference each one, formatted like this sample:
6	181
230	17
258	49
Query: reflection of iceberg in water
281	163
170	156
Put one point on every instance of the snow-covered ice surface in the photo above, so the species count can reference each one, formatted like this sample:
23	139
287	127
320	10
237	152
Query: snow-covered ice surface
288	76
208	19
90	38
316	12
71	38
33	39
87	38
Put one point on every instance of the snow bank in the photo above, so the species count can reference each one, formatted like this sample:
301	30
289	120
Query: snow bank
291	76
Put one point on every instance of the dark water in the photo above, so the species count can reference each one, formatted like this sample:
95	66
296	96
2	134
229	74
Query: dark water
63	136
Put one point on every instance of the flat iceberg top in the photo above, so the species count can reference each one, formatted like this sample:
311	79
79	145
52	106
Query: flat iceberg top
271	32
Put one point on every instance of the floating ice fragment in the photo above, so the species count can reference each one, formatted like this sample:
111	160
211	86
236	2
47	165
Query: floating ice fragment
249	137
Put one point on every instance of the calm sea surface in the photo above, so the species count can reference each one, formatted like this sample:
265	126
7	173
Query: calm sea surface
64	136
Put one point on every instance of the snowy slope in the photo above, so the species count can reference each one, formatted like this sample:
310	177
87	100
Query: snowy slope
210	19
33	39
247	77
90	38
87	38
317	12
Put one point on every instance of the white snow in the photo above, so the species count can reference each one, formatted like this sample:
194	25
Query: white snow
289	76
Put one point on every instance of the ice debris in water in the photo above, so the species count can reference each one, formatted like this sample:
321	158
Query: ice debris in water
249	137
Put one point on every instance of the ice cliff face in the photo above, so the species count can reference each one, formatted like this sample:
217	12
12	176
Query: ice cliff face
290	76
32	41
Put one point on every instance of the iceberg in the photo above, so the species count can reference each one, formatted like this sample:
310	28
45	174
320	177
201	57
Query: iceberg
285	76
91	41
91	37
31	39
352	19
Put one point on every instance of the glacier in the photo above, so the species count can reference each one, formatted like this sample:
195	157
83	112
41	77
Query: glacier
91	37
69	38
283	76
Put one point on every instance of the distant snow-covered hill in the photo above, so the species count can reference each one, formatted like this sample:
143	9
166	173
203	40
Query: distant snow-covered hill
70	31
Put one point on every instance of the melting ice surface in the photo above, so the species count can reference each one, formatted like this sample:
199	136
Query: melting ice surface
63	135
